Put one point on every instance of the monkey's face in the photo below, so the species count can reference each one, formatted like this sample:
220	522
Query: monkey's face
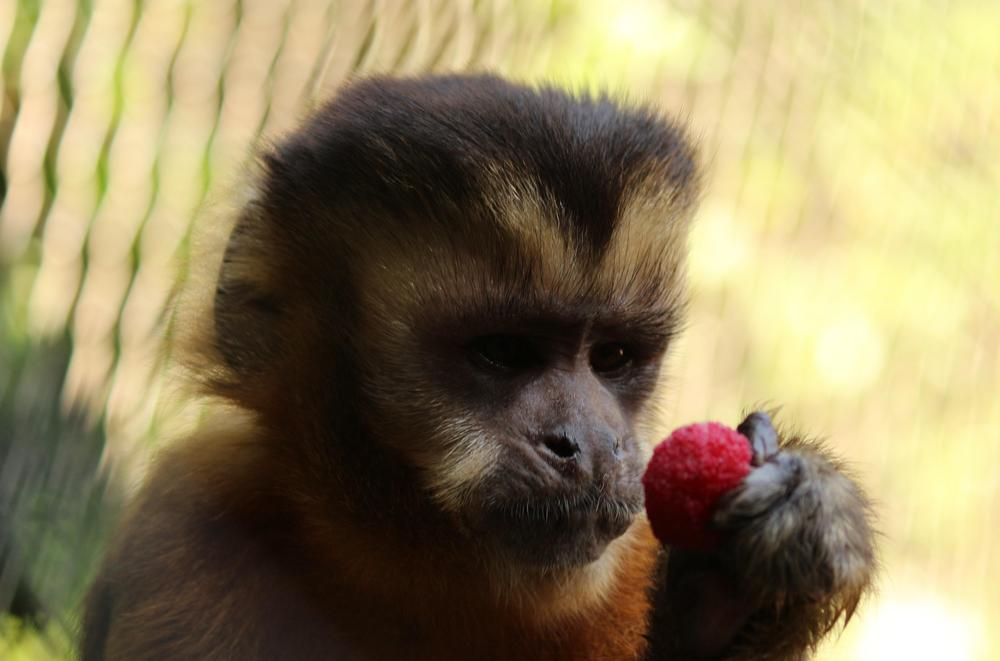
478	278
516	378
555	398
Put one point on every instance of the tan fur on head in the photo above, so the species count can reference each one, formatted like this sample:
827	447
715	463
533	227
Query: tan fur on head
464	458
192	327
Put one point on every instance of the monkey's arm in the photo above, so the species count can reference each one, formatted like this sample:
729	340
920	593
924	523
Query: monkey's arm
797	556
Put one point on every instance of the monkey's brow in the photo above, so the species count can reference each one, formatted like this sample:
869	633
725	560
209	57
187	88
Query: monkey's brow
654	324
666	321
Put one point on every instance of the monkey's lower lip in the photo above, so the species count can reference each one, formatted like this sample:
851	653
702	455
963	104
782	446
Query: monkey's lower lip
556	512
559	531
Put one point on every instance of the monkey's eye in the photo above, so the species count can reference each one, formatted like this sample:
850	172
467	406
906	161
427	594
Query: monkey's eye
609	358
507	352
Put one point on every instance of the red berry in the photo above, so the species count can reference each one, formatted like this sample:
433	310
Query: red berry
687	474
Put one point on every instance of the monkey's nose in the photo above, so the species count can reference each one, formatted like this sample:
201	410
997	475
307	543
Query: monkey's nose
561	446
582	457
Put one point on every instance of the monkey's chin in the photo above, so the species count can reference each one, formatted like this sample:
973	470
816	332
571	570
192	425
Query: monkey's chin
546	535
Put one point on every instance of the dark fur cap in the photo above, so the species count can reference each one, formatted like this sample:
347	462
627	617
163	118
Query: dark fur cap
426	145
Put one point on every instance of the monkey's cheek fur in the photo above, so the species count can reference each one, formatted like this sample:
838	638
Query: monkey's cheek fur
687	474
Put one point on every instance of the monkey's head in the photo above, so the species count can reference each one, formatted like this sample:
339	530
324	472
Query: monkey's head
472	284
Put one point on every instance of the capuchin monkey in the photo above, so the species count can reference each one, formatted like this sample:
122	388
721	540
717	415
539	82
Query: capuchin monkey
437	327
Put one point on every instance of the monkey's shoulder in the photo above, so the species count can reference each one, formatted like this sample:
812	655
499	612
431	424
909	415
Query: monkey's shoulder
206	566
192	574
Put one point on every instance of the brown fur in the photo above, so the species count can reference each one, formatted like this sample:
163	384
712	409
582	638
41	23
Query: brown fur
225	585
333	507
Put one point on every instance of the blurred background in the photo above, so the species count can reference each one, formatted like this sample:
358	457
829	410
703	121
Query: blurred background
845	264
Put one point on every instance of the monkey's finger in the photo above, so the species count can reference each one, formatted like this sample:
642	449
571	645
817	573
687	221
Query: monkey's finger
763	490
759	430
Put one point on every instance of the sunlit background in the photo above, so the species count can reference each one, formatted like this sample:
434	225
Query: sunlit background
846	261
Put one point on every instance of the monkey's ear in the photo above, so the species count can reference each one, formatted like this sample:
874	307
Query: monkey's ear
246	309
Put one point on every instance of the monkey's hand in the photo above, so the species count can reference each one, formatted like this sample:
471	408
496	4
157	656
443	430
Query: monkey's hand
796	557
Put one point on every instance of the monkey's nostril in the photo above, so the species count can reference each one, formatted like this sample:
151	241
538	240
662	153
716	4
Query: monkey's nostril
562	447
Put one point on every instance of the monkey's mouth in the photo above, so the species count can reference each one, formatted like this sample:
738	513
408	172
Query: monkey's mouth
559	531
